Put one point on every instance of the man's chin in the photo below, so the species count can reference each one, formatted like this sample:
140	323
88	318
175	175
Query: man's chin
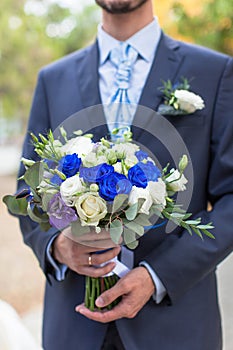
120	6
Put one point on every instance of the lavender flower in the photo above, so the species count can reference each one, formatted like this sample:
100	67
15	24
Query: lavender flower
60	215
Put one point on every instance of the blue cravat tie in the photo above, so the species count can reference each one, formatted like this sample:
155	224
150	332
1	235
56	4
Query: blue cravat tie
120	108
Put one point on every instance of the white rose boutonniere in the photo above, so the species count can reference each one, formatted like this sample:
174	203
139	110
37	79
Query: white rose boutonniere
179	100
188	101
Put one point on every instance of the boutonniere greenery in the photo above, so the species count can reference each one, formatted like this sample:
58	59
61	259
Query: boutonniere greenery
178	99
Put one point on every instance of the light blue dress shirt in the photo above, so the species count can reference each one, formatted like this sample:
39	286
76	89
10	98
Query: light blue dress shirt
146	50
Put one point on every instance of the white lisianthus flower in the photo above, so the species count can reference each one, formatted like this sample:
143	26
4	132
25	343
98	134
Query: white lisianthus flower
91	208
126	149
117	167
80	145
92	160
70	188
137	193
176	182
130	161
188	101
158	192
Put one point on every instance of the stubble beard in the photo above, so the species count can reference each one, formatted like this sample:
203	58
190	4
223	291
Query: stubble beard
120	6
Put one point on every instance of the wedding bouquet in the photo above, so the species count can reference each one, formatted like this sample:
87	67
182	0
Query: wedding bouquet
111	185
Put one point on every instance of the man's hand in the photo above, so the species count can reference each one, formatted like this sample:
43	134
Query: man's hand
76	255
136	288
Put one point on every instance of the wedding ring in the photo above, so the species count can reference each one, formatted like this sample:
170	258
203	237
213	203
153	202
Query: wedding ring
89	260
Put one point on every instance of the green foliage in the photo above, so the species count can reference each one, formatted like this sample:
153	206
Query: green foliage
116	230
16	206
213	27
30	40
34	175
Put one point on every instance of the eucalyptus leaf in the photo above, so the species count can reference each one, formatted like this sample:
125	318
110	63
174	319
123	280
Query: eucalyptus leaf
131	212
139	229
119	202
16	206
142	219
129	236
36	215
116	230
133	245
46	198
34	175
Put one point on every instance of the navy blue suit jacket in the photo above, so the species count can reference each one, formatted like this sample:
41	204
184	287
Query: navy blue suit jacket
188	318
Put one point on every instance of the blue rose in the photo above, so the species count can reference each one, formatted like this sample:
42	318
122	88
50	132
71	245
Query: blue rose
70	164
114	184
151	171
140	174
141	155
96	173
137	176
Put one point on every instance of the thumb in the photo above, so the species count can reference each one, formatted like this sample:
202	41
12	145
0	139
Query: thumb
109	296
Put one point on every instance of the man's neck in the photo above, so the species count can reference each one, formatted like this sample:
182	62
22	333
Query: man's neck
123	26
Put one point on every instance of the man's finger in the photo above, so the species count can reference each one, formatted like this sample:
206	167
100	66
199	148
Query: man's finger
102	316
109	296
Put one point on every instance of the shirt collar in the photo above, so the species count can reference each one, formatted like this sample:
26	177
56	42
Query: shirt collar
146	48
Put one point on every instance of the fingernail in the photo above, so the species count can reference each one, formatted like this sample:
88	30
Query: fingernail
99	302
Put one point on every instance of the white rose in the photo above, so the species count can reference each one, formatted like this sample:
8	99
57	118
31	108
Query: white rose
91	208
158	192
176	182
188	101
70	188
80	145
137	193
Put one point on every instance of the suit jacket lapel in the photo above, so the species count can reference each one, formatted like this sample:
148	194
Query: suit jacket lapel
165	66
88	80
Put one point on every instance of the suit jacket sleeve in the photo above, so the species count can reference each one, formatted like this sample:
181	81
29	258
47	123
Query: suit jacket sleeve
38	123
182	261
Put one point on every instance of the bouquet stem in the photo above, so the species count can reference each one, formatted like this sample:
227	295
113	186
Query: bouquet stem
95	287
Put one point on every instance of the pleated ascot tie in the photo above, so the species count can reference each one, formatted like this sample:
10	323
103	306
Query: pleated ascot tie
121	106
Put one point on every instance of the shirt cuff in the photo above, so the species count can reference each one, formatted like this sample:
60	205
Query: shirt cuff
59	269
160	291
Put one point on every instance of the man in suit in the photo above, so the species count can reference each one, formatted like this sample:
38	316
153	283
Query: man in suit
169	298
